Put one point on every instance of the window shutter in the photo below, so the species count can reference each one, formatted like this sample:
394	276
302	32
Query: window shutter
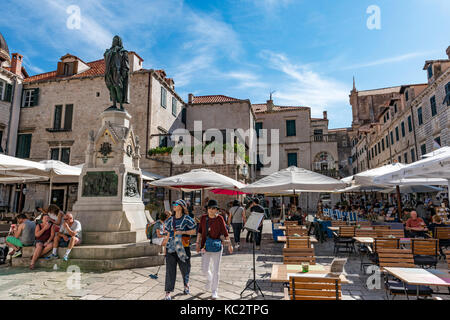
54	154
8	92
57	117
23	146
183	115
68	117
35	97
60	69
65	155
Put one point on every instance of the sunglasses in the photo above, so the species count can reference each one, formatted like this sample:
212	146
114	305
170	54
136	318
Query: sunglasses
175	204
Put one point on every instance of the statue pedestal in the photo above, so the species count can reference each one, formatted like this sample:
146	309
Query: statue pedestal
109	204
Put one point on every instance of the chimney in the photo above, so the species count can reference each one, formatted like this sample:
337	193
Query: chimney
16	63
325	115
190	98
270	105
448	52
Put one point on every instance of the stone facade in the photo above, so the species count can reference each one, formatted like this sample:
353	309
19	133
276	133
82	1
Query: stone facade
313	145
411	120
12	75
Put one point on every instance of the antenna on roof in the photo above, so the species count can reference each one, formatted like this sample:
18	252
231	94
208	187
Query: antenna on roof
271	93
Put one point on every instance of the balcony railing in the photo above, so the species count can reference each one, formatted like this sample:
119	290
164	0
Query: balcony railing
324	138
333	173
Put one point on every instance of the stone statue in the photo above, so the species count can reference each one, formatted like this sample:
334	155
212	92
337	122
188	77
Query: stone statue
117	68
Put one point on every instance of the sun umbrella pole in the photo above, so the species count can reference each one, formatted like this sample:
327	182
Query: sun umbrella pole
51	187
399	201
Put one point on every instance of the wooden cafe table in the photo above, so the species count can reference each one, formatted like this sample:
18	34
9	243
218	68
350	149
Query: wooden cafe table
281	272
421	277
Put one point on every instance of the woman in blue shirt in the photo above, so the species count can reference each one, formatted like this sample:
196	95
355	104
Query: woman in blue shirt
180	228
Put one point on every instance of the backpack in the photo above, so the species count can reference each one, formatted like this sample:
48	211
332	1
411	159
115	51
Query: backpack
3	254
149	230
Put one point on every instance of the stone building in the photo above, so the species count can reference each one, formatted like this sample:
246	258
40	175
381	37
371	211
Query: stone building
60	108
12	76
304	142
400	124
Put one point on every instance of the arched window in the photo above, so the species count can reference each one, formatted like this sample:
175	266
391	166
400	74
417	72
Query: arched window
324	162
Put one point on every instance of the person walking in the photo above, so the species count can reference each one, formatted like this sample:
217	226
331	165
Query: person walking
256	207
238	220
180	228
211	231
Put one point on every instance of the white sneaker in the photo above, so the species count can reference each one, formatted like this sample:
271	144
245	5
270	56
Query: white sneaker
236	246
214	295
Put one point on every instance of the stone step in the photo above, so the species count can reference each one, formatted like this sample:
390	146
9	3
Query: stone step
109	237
100	252
93	264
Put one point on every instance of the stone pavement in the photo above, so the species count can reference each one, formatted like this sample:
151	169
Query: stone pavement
135	284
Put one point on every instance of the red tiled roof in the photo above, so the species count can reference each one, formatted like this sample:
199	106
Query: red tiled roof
212	99
259	108
97	68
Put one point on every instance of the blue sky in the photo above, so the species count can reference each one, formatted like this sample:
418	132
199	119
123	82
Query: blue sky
307	51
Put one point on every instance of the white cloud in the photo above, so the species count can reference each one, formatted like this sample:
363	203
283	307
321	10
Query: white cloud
270	4
306	87
395	59
245	80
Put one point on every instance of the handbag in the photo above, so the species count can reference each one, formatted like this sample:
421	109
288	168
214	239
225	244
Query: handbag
212	245
186	240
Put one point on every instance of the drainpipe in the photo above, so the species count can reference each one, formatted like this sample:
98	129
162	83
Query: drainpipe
10	116
414	131
149	103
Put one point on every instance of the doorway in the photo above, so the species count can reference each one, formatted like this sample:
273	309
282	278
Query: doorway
58	198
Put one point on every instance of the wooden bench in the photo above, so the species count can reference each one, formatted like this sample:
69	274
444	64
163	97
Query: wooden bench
299	256
290	223
365	224
399	258
298	242
290	231
425	252
366	233
313	288
382	227
386	233
338	223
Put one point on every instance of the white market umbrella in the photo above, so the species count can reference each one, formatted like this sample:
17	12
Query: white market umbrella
358	188
367	178
8	163
199	179
435	165
414	189
296	179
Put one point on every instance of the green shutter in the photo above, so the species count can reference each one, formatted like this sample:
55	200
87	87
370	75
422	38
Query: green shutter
68	117
23	146
58	117
292	159
174	106
65	155
183	115
35	97
54	154
8	92
290	128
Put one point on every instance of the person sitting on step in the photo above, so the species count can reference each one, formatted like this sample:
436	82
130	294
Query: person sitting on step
68	236
22	235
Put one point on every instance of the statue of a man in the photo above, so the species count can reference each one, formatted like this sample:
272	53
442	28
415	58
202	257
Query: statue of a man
117	73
